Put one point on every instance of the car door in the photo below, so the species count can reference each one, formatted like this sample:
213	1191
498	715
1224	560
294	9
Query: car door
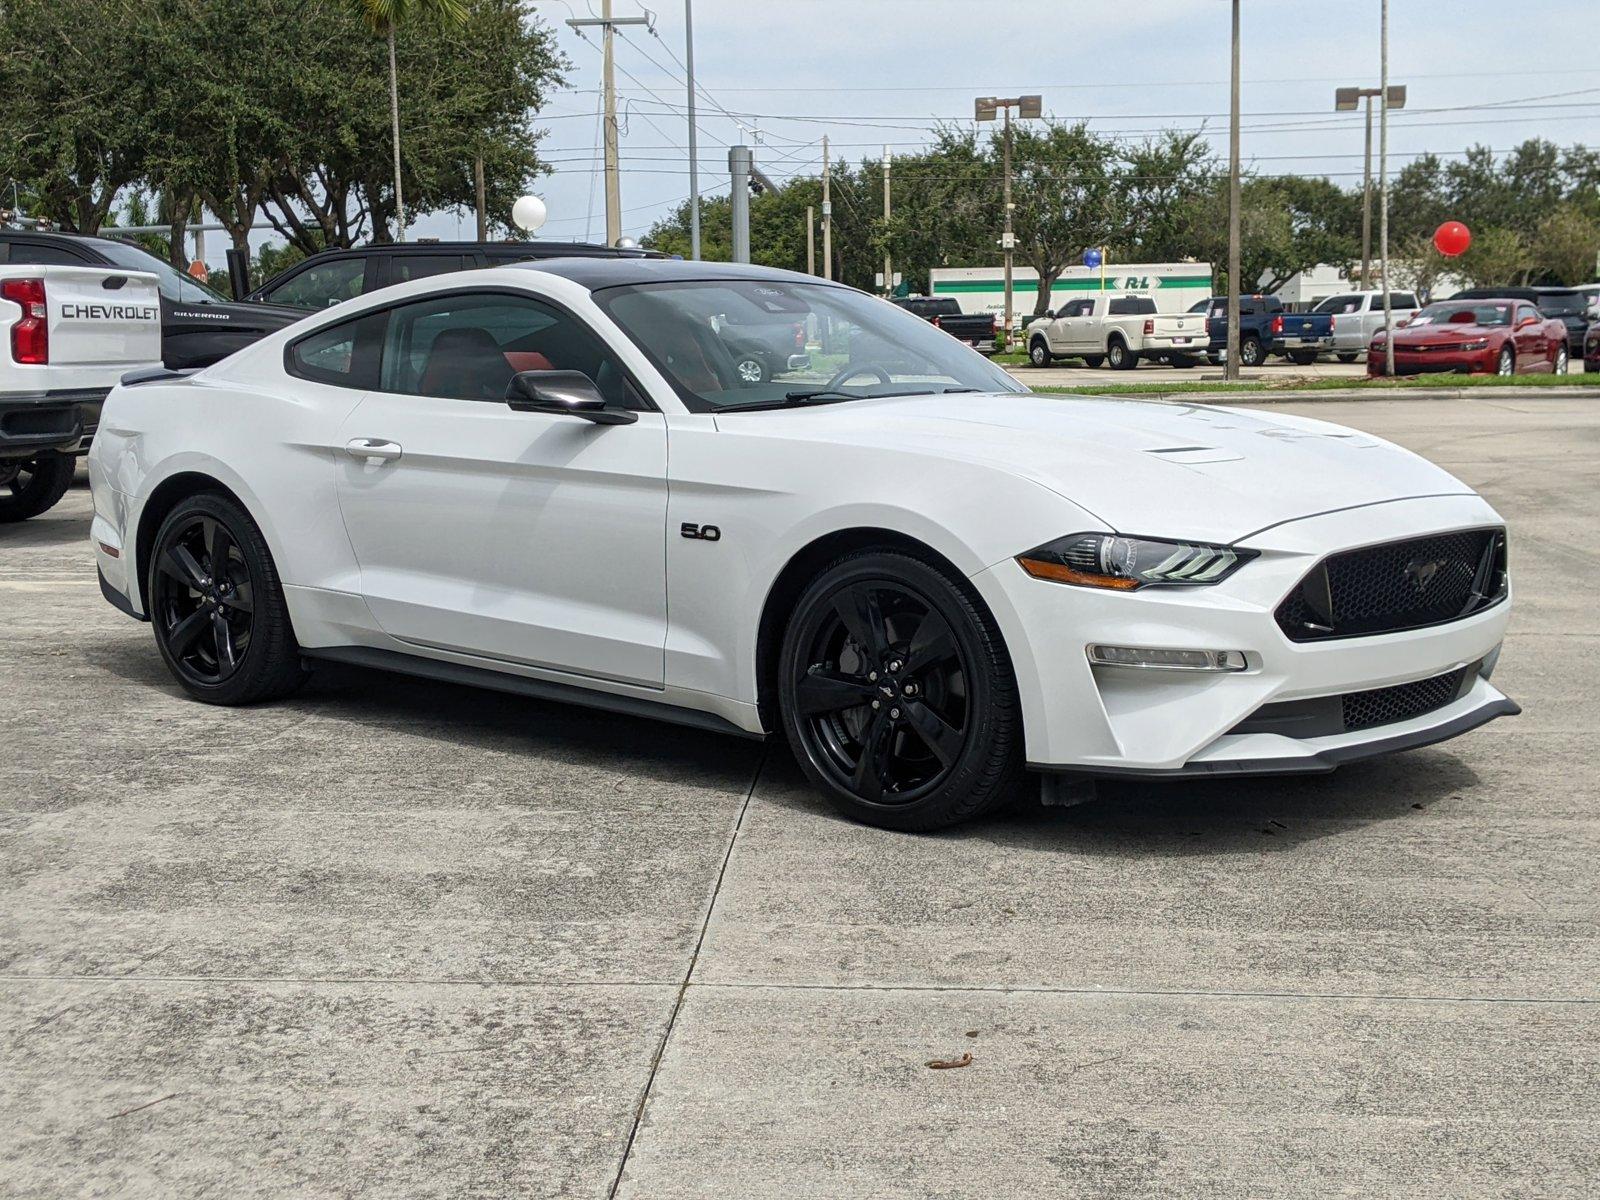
1528	338
1075	321
524	537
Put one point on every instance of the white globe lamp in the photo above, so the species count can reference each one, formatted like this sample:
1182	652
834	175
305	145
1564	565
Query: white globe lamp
528	213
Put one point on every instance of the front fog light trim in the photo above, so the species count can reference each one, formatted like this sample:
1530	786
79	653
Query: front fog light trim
1163	658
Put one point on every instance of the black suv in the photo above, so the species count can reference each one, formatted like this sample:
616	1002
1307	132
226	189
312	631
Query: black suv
334	275
198	326
1570	306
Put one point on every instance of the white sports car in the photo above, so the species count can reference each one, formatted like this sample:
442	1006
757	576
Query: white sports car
553	479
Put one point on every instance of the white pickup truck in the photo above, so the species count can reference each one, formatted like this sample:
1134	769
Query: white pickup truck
1359	315
67	335
1118	331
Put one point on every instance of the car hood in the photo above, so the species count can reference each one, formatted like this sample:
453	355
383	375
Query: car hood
1446	334
1194	471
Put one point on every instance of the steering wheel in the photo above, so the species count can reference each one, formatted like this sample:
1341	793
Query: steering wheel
850	372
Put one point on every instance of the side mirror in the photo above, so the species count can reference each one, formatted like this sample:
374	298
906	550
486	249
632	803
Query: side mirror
1526	321
563	393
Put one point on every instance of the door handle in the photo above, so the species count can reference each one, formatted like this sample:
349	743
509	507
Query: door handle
372	449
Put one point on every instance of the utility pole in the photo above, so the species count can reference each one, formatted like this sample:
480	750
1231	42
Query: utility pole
986	108
811	239
827	214
613	182
888	267
479	191
1383	192
694	162
608	86
1230	369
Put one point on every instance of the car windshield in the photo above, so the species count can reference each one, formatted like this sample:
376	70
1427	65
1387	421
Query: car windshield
1482	314
764	343
171	282
1562	304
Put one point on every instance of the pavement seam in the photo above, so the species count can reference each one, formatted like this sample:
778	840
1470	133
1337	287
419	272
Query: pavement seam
683	988
752	985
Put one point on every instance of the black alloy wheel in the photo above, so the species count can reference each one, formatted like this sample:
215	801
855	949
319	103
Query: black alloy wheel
897	696
216	605
30	486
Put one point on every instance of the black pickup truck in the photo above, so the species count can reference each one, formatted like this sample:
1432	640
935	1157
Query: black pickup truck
976	329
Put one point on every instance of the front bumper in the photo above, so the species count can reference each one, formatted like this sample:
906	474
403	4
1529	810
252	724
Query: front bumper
1442	362
1117	720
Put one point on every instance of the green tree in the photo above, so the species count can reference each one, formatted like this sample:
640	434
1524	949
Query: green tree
1567	242
1066	196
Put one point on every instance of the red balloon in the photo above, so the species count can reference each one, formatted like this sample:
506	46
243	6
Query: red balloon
1452	238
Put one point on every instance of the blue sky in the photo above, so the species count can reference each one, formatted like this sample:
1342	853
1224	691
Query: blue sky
870	72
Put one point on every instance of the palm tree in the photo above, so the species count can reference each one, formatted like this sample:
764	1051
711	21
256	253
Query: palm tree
382	16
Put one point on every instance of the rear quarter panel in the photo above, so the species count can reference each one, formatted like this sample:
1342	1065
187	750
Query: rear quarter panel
271	446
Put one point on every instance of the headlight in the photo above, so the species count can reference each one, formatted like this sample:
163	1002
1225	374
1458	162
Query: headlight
1480	344
1104	560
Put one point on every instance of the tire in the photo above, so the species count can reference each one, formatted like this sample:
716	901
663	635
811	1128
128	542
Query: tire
1250	352
1119	357
1347	357
223	644
750	369
1093	361
1302	358
883	627
1507	364
1039	352
32	486
1560	365
1185	361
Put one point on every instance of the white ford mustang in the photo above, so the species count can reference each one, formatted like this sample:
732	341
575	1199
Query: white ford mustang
756	502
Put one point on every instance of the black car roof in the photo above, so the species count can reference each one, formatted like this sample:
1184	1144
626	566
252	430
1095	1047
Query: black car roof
544	249
598	273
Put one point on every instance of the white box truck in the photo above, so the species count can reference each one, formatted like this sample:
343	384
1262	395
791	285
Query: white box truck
1175	287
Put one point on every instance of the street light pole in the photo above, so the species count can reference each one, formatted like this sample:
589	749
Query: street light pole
827	214
1008	239
1366	204
1348	99
1230	370
987	108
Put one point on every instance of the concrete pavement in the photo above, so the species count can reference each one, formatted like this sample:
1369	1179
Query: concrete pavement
401	939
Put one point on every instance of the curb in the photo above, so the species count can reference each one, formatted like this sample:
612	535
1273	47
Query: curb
1326	395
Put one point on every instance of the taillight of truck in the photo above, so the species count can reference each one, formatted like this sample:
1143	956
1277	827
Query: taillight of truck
936	322
1149	326
30	336
1277	325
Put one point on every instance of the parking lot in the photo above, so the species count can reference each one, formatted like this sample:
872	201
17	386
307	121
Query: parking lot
1277	370
395	938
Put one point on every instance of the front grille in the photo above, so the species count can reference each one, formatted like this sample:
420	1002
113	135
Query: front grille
1397	585
1385	706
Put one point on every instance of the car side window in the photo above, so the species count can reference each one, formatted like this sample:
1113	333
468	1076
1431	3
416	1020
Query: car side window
468	345
1402	300
344	355
322	285
1078	308
53	256
421	266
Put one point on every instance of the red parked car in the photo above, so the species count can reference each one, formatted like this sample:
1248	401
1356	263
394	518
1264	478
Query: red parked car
1494	337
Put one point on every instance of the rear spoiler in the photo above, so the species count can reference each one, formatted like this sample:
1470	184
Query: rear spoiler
155	375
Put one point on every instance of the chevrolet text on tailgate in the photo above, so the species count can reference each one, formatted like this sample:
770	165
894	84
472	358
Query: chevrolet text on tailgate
69	333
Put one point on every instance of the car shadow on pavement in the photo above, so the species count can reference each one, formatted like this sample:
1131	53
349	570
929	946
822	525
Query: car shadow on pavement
1136	819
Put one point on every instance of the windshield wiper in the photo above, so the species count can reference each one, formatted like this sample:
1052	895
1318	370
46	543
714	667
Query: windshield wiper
832	396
